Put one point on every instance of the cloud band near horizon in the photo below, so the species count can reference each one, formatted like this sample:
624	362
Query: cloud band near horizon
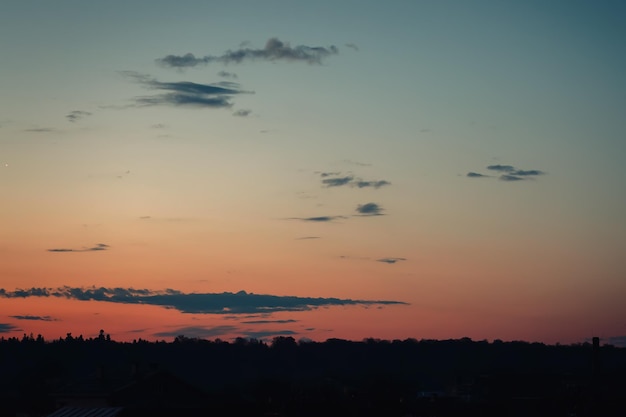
197	303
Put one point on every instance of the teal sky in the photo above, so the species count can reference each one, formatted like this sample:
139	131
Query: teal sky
221	185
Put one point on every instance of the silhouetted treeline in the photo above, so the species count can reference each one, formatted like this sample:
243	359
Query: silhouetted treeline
399	377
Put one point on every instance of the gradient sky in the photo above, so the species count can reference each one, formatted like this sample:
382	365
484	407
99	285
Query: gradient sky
350	169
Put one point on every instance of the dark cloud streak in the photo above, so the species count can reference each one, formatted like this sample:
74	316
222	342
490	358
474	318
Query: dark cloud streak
332	179
7	328
29	317
98	247
184	93
390	260
274	50
198	303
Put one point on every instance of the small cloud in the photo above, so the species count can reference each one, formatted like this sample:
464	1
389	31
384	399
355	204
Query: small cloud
76	115
307	237
369	209
501	168
425	130
97	247
359	258
8	328
29	317
337	182
145	217
274	50
41	130
269	321
242	112
332	179
524	173
318	219
352	46
158	126
475	175
373	184
390	260
508	177
226	74
183	93
508	173
361	164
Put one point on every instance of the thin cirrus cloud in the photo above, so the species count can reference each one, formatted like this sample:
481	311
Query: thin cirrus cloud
226	74
98	247
390	260
184	93
197	303
507	173
318	219
30	317
76	115
369	209
334	179
242	113
41	130
274	50
7	328
269	321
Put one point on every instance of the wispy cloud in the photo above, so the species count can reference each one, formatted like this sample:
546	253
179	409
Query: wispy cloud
318	219
476	175
41	130
274	50
334	179
308	237
508	173
226	74
369	209
199	303
390	260
184	93
76	115
29	317
337	181
7	328
501	168
509	177
242	113
98	247
529	172
374	184
269	321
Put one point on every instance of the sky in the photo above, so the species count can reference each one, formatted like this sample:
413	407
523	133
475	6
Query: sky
329	169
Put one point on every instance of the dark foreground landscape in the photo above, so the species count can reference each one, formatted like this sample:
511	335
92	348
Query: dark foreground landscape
73	376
